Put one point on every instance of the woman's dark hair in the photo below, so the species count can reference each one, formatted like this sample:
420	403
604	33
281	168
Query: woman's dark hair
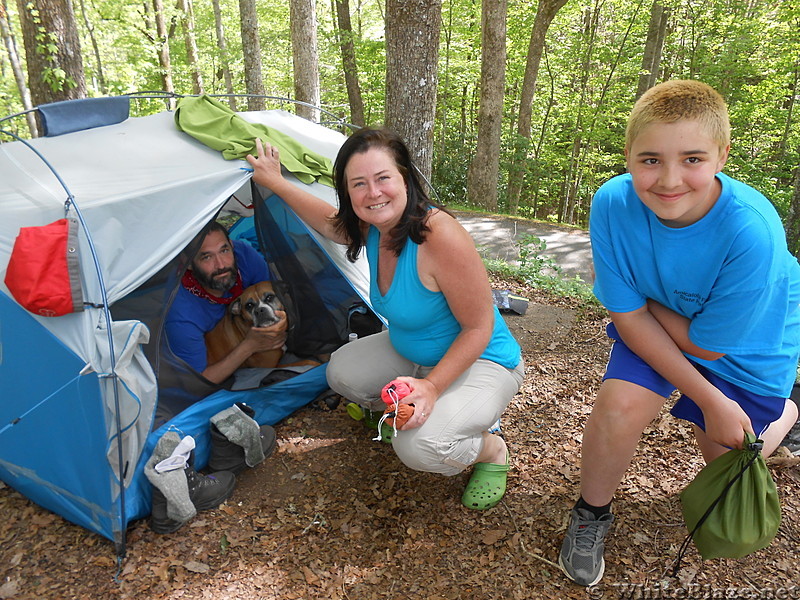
413	222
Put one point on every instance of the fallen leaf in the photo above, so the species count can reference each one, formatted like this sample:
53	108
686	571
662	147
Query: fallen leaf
104	561
196	567
311	578
9	589
162	571
492	536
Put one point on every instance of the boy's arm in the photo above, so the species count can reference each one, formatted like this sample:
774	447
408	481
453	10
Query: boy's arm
677	327
725	421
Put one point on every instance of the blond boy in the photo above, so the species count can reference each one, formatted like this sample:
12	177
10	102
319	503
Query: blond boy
703	297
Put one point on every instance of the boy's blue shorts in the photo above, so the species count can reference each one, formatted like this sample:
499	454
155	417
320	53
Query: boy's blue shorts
624	364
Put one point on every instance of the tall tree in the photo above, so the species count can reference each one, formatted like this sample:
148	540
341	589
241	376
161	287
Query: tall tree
653	47
545	13
345	32
412	43
162	45
251	48
224	59
101	79
187	20
792	224
484	168
305	60
52	50
580	166
16	66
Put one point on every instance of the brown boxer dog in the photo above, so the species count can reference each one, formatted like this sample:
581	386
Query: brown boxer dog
254	308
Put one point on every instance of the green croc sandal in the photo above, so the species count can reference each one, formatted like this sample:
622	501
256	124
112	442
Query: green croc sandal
486	486
371	418
387	433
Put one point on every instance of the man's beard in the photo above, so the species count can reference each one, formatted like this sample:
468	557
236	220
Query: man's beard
212	282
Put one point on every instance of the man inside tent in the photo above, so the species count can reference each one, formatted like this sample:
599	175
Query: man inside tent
220	270
218	273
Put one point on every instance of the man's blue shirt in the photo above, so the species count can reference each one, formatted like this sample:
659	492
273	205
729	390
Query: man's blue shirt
191	317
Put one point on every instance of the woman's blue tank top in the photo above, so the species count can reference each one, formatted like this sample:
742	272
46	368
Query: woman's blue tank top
421	325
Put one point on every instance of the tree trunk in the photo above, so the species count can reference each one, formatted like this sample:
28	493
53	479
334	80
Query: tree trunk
485	165
349	62
545	14
16	66
52	50
793	218
443	116
412	44
223	54
575	200
788	107
251	48
574	174
101	80
303	21
653	47
538	170
187	18
162	43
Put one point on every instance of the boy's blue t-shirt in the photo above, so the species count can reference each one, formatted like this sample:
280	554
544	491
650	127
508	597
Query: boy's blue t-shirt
191	317
730	273
421	325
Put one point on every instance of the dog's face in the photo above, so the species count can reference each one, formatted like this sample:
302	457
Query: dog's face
257	305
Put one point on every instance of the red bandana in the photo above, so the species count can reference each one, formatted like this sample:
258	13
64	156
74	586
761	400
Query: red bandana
189	281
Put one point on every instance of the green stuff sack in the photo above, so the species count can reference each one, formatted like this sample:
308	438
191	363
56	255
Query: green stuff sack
731	508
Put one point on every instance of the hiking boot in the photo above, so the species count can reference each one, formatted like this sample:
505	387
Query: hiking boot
581	556
228	456
205	492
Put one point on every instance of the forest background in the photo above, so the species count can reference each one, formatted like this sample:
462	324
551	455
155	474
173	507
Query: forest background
513	106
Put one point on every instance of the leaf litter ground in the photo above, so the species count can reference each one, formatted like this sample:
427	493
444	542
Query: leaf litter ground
333	514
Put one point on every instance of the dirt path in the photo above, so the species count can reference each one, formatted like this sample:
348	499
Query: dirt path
496	235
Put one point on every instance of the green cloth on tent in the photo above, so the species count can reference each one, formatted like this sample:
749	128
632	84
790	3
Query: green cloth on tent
217	126
737	496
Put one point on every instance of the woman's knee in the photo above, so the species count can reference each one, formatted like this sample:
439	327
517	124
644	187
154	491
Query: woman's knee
428	456
336	374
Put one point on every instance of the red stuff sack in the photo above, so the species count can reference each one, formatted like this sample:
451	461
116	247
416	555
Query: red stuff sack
43	272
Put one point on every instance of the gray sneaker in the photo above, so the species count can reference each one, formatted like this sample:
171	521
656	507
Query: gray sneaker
581	556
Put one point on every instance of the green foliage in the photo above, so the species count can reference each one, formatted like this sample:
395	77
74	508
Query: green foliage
537	269
46	43
586	83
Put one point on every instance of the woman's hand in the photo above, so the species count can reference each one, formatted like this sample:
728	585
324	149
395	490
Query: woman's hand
423	396
266	166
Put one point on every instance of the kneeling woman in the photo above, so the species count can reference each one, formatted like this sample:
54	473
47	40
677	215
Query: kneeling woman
446	340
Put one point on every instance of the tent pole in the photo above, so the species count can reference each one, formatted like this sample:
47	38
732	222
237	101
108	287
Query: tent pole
120	541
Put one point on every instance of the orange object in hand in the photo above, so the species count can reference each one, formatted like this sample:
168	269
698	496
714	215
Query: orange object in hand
391	394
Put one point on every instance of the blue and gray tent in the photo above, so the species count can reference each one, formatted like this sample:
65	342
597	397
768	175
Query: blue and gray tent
80	391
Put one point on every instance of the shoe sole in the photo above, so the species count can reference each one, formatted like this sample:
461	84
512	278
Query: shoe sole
165	527
272	444
571	578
